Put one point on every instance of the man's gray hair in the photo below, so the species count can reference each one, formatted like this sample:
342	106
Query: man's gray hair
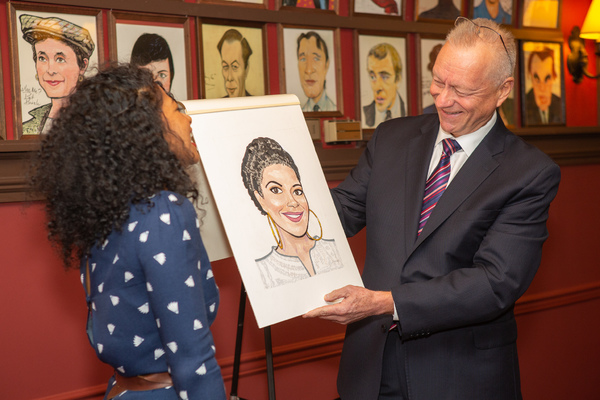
467	34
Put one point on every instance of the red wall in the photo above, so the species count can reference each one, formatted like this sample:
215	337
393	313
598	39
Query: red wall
45	353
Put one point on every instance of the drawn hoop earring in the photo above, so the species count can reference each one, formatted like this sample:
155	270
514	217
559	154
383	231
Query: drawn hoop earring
317	238
274	231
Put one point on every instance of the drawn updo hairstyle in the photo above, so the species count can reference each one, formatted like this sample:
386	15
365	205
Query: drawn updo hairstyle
261	153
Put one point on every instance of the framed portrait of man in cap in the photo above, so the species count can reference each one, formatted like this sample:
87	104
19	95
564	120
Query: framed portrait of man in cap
50	52
158	43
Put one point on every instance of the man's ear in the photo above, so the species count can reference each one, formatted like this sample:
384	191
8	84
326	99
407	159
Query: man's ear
504	90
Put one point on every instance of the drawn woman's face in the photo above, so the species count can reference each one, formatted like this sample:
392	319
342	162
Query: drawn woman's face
57	68
161	72
284	200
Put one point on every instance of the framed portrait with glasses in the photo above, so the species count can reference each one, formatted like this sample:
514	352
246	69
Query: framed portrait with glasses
542	77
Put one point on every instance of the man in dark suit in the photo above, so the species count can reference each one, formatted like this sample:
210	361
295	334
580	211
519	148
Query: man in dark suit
541	105
435	319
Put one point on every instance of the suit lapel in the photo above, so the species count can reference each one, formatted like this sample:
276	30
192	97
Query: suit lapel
419	150
475	170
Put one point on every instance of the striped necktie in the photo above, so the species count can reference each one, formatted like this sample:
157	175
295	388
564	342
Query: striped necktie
437	182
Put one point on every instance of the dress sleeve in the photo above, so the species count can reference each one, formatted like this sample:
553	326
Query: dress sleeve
183	296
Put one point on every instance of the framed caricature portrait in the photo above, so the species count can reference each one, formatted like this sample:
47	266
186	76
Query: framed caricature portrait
447	10
158	43
315	5
66	44
242	3
311	69
392	8
382	75
499	11
541	14
232	60
430	48
542	84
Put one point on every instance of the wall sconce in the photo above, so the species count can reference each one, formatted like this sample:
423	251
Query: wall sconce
577	61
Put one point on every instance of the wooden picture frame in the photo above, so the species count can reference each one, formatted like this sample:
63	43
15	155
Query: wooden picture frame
2	113
380	8
429	48
501	11
331	6
161	43
438	10
222	76
382	75
236	3
540	13
317	75
29	89
542	87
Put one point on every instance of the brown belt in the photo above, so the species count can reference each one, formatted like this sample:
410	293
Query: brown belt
140	382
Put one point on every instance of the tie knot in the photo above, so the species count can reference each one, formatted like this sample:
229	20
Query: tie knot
316	108
451	146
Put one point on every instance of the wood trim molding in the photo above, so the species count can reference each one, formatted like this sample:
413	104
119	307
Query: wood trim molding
308	351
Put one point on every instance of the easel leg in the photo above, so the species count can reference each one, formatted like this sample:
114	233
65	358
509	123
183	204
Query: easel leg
270	372
238	346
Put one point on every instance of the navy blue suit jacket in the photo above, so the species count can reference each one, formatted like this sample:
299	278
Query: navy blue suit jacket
456	284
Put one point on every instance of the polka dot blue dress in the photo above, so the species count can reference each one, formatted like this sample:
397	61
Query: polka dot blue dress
152	300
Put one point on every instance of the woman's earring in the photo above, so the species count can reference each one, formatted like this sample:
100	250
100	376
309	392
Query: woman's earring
80	78
274	230
37	77
316	238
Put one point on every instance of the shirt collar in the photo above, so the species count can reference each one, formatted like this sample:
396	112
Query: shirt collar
470	141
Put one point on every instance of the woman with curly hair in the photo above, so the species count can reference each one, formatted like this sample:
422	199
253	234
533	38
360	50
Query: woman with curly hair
112	170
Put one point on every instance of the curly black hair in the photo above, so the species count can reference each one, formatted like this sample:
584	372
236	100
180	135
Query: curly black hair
106	149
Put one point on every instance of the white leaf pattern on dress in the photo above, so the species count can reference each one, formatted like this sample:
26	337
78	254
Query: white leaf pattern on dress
158	322
100	347
197	324
174	307
116	259
104	244
101	287
166	218
93	267
212	307
186	236
81	277
158	353
172	346
209	274
111	328
183	395
128	276
161	258
144	308
201	370
173	198
137	340
121	369
149	287
132	226
197	223
144	236
190	282
114	300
